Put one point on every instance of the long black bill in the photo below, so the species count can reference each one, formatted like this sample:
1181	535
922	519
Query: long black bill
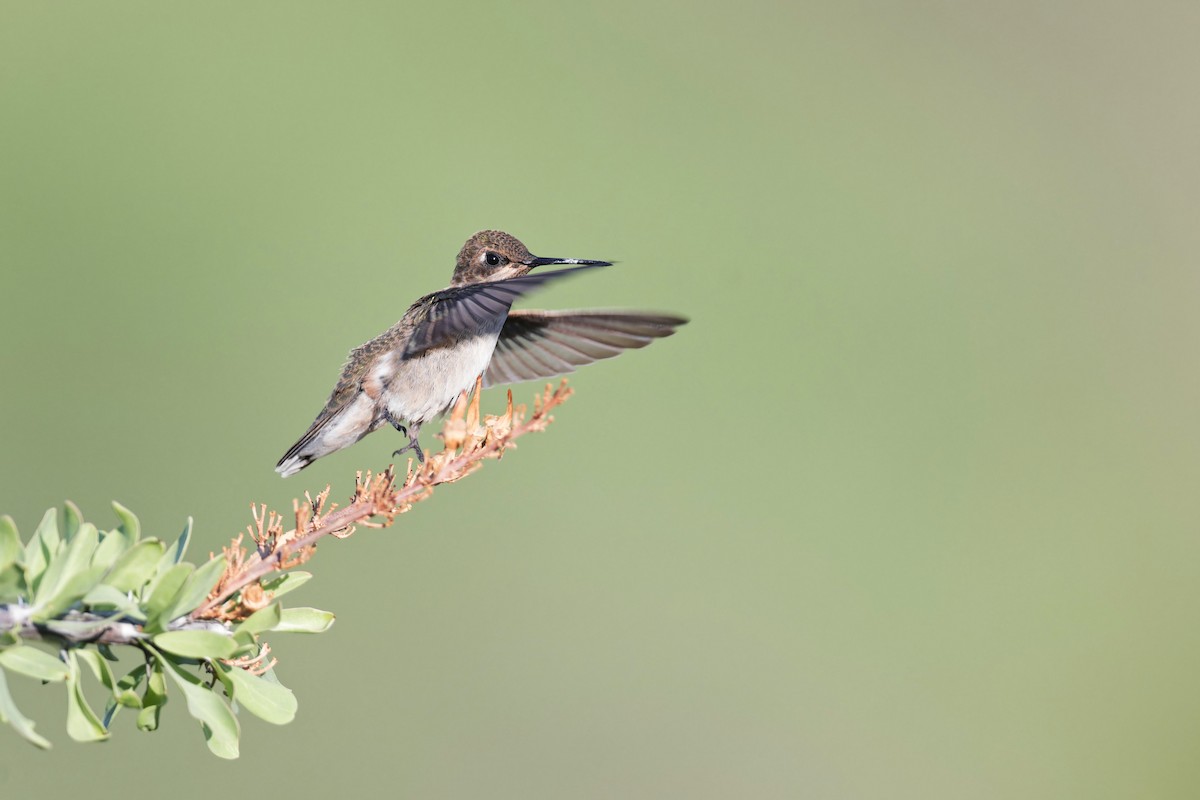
543	262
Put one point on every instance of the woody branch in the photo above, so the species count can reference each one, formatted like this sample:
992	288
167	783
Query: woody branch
468	441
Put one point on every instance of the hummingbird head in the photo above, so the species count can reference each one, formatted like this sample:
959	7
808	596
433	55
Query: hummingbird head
496	256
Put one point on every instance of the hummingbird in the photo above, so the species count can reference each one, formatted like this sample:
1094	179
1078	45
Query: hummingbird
416	369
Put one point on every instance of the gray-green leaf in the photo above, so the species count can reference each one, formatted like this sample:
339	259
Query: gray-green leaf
163	591
99	668
135	566
304	620
65	565
265	699
12	582
153	699
40	547
12	715
34	663
130	527
221	729
112	545
196	644
282	584
10	543
82	723
70	592
72	519
124	694
106	598
176	551
196	590
264	619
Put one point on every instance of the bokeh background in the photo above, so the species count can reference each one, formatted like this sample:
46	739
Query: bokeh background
909	510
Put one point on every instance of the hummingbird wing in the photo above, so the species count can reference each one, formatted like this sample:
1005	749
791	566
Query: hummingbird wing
466	310
535	345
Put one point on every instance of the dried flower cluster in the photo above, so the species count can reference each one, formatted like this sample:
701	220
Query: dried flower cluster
467	439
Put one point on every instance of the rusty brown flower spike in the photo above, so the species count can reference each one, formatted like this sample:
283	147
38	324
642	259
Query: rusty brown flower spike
467	442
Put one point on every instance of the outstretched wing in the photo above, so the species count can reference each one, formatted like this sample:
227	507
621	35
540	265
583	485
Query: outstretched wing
535	345
466	310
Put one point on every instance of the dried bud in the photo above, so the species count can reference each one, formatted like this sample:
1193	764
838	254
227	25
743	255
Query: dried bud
253	597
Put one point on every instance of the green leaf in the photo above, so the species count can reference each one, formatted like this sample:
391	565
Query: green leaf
118	696
70	593
99	668
282	584
130	527
73	558
135	566
130	682
12	583
125	694
176	551
72	519
196	644
80	548
267	700
34	663
47	531
112	545
221	729
106	598
82	723
304	620
264	619
10	542
153	699
247	646
12	715
163	591
41	546
129	699
196	590
69	576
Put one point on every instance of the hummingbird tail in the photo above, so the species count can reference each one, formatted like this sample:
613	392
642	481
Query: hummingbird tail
333	429
301	454
292	465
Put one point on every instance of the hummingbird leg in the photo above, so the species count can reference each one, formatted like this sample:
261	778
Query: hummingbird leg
413	444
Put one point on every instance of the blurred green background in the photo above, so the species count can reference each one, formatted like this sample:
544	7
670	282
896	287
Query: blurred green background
908	510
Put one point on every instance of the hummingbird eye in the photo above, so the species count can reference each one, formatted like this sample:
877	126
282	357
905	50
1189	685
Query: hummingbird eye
491	259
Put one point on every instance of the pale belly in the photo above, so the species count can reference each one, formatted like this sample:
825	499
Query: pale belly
423	387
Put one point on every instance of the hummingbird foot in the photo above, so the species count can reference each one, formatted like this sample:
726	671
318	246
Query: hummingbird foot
413	444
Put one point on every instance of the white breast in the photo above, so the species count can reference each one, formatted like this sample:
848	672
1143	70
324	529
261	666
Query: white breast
426	386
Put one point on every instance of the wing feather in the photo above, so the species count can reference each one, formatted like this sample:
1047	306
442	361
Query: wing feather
466	310
536	345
